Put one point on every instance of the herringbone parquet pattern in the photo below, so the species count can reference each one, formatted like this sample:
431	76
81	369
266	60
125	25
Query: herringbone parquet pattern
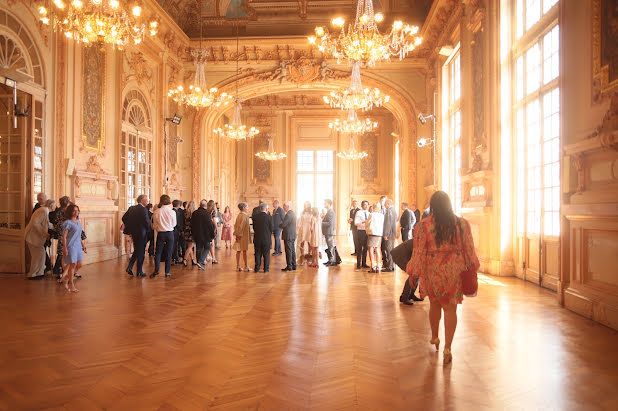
333	339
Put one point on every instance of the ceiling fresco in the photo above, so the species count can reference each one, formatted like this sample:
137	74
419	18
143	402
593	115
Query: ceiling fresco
277	17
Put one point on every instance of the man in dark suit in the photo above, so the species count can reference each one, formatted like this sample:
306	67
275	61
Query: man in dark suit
179	237
203	230
256	210
262	238
417	215
289	236
353	227
328	230
406	222
278	216
136	223
389	234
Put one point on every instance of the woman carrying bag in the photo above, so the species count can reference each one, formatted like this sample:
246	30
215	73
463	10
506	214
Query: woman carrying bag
443	253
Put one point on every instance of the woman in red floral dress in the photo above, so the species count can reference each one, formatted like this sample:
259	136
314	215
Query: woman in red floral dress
443	248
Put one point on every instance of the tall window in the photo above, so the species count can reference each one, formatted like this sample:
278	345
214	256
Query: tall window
536	112
136	150
315	177
451	127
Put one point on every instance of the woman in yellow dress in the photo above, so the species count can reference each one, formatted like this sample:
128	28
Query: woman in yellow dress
241	232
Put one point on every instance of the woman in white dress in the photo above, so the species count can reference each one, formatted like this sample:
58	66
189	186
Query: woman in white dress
37	232
375	228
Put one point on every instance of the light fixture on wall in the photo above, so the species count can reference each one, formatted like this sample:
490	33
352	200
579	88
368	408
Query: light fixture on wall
198	94
271	154
353	125
99	21
352	153
430	142
363	42
236	130
355	97
176	119
424	142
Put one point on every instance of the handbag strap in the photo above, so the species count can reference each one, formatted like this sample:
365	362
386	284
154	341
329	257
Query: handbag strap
461	236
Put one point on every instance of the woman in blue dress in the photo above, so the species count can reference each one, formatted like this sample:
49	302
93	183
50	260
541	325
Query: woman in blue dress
74	247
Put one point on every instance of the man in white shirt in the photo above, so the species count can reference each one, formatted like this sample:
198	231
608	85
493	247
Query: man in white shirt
163	222
359	221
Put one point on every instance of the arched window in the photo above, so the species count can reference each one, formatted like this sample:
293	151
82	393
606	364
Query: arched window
136	149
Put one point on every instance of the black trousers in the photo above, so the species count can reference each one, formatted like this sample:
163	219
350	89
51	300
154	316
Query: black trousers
262	251
361	255
151	244
408	290
290	254
139	249
405	234
387	248
165	248
355	239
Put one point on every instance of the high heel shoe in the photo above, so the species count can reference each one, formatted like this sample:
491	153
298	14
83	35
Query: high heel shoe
184	262
436	342
448	357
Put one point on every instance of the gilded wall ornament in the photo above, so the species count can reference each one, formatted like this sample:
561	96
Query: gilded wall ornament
93	98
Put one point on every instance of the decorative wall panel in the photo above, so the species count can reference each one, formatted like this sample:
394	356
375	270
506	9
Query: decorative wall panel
478	51
93	107
369	164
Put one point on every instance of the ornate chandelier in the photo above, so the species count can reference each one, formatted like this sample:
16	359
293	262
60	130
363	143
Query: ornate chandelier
98	21
362	41
236	130
271	154
352	153
356	97
353	125
199	95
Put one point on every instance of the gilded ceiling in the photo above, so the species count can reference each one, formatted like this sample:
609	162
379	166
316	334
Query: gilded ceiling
277	17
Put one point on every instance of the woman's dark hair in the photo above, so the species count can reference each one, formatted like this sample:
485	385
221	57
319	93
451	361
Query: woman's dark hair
227	208
68	213
164	200
64	201
443	216
211	205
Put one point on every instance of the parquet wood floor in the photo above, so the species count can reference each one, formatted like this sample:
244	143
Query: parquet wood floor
333	339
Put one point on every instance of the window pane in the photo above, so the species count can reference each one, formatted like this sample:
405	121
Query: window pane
533	69
533	12
519	11
324	189
519	78
304	190
551	56
304	160
548	4
324	160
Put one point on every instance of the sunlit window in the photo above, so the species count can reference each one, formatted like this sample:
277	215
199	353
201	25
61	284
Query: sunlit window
451	78
536	119
315	177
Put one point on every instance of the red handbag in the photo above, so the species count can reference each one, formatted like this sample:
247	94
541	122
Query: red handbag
469	280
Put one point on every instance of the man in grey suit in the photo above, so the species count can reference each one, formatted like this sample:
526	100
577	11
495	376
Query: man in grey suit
389	234
289	236
328	230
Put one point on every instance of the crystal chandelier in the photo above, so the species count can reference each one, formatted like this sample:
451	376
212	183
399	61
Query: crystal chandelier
236	130
353	125
352	153
362	41
356	97
271	154
98	21
199	95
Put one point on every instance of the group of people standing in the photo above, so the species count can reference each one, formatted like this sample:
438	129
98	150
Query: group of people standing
50	222
374	231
